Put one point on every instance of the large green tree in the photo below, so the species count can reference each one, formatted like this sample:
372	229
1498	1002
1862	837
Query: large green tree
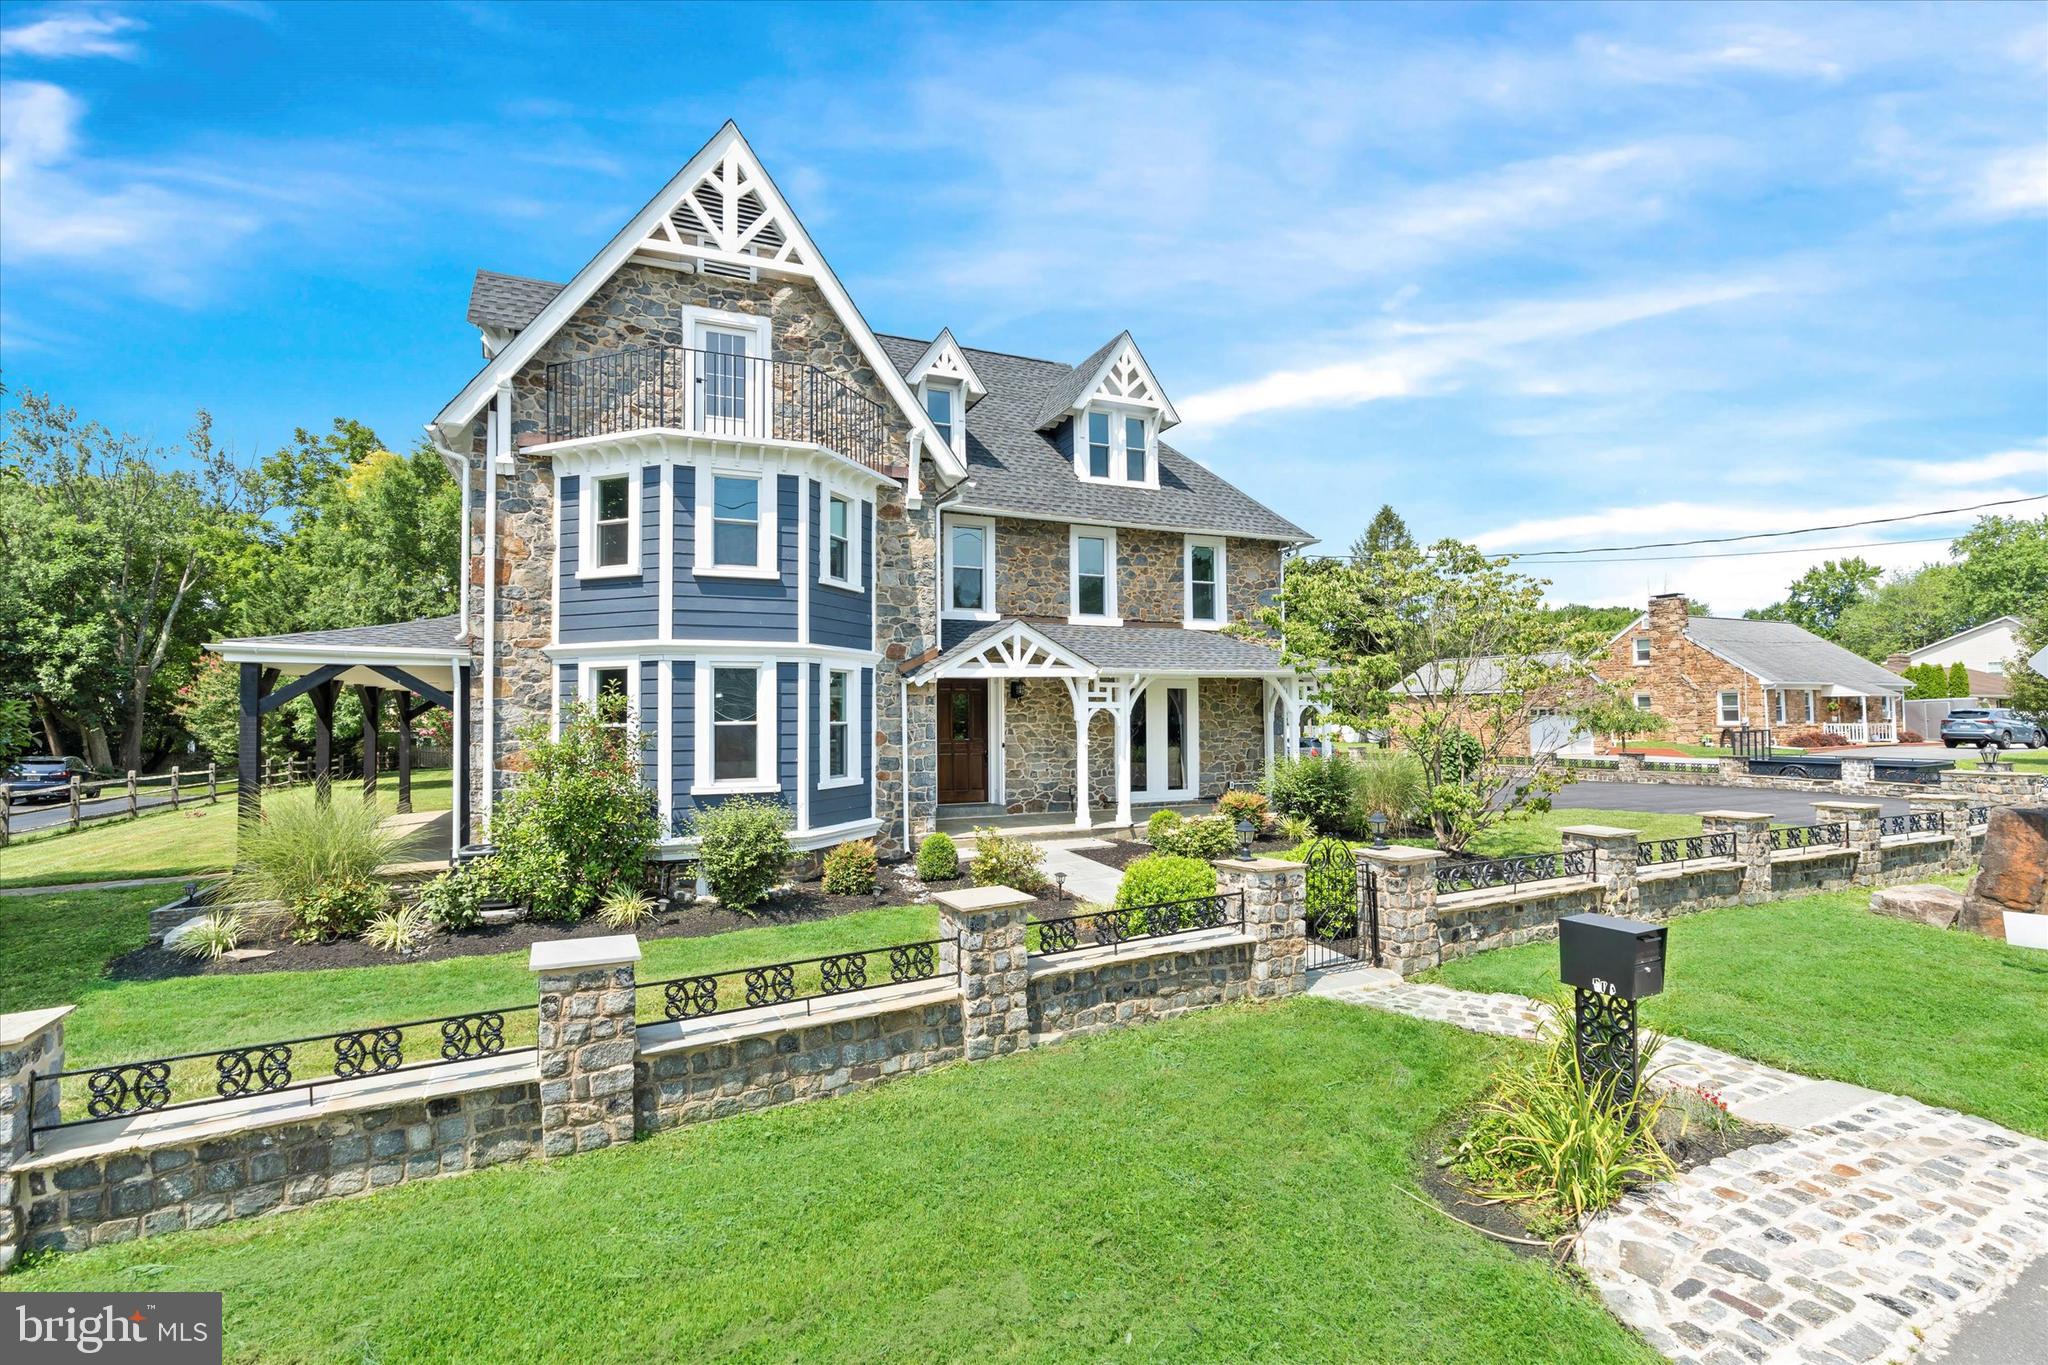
2002	566
1911	608
1818	597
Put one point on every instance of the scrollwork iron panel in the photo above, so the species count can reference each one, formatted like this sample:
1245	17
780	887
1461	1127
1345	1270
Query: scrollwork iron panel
1057	936
1486	874
691	998
1685	849
368	1052
914	962
1980	815
1919	822
1604	1035
771	985
845	972
469	1036
133	1088
1788	837
252	1070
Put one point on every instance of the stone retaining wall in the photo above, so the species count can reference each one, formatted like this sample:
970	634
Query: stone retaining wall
595	1077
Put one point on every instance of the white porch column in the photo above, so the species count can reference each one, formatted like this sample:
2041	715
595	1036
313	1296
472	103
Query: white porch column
1266	721
1123	759
1077	693
1292	733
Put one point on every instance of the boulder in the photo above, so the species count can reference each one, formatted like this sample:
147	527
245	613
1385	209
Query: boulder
1923	903
2014	874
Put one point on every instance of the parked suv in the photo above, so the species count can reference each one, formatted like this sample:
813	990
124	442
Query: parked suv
2006	729
48	779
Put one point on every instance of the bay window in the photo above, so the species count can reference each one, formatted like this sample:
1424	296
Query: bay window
839	540
735	532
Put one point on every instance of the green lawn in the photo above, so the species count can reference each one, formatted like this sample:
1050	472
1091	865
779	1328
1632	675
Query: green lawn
1822	986
1227	1186
1540	833
54	948
189	841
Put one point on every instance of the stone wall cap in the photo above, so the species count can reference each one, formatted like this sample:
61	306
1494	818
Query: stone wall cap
1598	831
977	898
1259	865
575	954
1400	853
1763	815
23	1025
1848	805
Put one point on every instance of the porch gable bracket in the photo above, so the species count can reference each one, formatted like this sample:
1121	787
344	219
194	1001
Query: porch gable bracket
1015	651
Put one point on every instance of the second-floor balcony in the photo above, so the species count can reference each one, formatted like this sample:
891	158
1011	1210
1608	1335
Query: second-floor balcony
715	393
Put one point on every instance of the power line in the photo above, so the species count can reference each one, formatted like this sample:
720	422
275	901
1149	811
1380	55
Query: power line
1788	550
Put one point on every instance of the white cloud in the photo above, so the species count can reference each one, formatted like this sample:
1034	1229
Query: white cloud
73	33
2009	184
1690	519
2029	464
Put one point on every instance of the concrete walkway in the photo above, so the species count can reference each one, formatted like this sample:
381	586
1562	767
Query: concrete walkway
1087	880
1879	1224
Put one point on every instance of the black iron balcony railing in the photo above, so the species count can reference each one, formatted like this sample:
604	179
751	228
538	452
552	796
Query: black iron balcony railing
714	393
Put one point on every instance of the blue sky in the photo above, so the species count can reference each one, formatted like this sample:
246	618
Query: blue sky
1538	276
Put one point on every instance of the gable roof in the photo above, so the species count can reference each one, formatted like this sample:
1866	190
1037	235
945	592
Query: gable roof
1086	377
944	346
1117	649
1479	676
729	158
1018	470
1780	652
2012	623
509	301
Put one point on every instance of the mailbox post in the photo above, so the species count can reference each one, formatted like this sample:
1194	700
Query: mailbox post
1610	963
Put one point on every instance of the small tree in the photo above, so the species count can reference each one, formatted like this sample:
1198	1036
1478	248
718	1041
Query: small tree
1958	679
1612	714
579	824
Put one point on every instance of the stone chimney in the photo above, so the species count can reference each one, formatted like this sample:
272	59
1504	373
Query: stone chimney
1667	613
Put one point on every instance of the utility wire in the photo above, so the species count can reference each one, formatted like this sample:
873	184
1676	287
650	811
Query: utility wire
1788	550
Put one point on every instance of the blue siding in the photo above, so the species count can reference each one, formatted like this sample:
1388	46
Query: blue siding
682	752
683	742
648	702
734	608
785	731
838	805
609	608
839	617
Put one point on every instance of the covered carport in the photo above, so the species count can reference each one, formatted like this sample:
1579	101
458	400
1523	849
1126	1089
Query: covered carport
421	661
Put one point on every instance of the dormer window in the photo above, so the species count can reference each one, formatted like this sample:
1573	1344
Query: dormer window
1098	445
1134	449
939	402
1116	447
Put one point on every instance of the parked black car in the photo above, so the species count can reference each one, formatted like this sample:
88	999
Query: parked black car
49	779
2006	729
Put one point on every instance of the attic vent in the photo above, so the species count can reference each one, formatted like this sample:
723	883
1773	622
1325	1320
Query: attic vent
730	272
728	211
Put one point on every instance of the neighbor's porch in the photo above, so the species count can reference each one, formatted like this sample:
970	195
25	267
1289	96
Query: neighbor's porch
1857	716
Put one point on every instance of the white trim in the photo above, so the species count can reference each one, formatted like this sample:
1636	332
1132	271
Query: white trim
1643	701
726	146
803	746
947	525
1015	651
665	557
586	687
958	421
853	503
1108	616
1119	464
804	575
683	847
999	726
946	359
767	497
854	772
1189	620
970	509
704	740
1146	692
587	524
1721	695
2013	622
653	445
1130	359
665	741
690	648
1811	710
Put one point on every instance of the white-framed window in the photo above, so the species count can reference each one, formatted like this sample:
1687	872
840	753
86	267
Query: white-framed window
1778	706
1731	708
970	578
1809	706
736	524
1114	446
599	680
735	728
942	404
1643	702
1091	553
1642	649
842	522
608	545
840	728
1202	569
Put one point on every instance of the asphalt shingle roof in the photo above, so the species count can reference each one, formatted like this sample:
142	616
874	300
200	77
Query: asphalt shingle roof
1780	652
429	633
1150	649
1061	397
1475	677
508	300
1016	467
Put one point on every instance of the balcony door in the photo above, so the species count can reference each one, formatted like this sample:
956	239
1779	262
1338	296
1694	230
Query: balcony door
1165	742
729	369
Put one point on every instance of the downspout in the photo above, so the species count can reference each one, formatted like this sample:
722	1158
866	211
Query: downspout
903	712
498	442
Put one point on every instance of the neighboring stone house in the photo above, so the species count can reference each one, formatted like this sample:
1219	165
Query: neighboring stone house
1704	674
880	579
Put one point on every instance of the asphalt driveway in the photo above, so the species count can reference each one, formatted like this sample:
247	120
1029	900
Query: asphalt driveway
1786	807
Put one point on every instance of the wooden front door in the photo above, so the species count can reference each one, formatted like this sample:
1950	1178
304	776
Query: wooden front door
963	742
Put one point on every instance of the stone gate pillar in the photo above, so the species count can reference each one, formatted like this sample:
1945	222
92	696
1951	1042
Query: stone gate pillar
588	1043
1860	834
982	935
1275	907
1409	941
1752	831
1614	863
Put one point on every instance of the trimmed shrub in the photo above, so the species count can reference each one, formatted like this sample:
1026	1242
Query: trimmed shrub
579	822
937	858
1161	825
1161	877
341	909
850	868
1242	804
742	849
1002	861
1212	836
1323	789
455	900
1812	739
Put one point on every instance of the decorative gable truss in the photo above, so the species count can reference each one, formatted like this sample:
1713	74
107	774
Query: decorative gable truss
1014	650
724	223
1116	374
944	361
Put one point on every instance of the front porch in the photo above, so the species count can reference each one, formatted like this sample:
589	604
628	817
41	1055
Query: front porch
1854	715
1047	727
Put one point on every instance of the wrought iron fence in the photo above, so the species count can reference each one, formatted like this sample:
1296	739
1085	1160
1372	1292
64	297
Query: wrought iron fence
717	393
1487	874
184	1080
1687	849
1113	928
1980	815
1919	822
786	983
1785	837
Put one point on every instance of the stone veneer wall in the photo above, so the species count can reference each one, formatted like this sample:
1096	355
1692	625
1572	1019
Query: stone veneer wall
125	1195
1033	572
1233	744
642	305
1066	1002
1038	744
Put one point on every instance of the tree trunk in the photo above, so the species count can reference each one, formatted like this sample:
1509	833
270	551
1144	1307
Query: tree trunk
47	714
96	751
138	707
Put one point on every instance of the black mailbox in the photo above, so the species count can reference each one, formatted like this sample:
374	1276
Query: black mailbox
1611	955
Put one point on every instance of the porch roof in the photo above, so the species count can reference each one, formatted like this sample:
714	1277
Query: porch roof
425	648
1089	650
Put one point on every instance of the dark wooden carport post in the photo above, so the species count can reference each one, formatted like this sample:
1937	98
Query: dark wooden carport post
322	697
372	699
405	716
249	745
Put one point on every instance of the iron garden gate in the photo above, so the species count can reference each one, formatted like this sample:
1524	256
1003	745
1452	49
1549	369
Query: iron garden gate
1342	911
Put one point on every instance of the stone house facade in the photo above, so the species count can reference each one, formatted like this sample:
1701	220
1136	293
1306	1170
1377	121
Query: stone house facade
875	579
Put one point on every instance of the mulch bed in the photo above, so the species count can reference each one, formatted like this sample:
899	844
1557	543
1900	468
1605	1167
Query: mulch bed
805	902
